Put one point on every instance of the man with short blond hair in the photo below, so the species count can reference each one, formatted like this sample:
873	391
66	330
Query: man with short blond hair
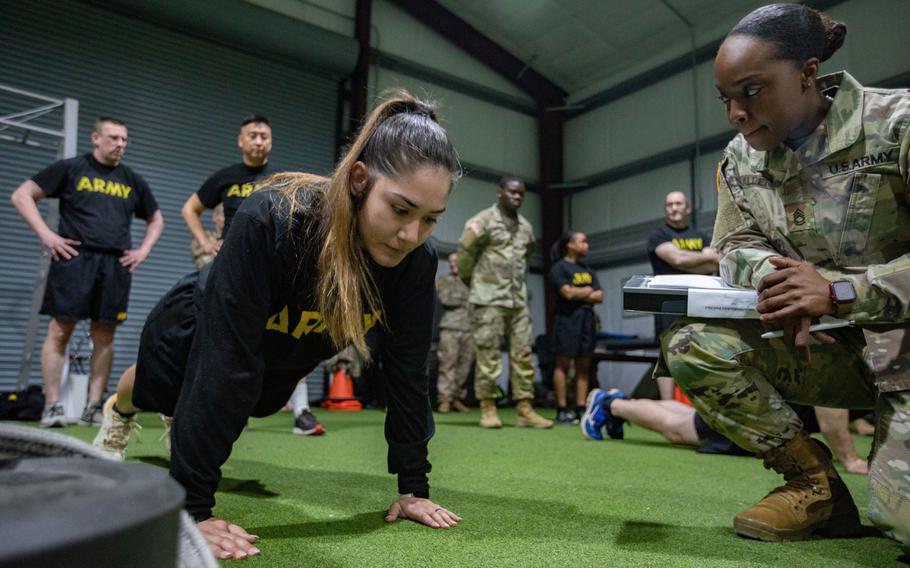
92	253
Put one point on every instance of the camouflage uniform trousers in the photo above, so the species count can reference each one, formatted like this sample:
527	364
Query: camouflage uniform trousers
491	324
740	384
456	355
889	472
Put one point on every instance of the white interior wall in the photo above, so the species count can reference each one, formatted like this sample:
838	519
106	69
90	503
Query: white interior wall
484	133
706	185
647	122
398	33
877	44
536	283
877	21
333	15
719	22
629	201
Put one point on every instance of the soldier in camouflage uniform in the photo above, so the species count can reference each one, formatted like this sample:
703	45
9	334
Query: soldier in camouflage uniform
493	255
456	342
812	201
200	257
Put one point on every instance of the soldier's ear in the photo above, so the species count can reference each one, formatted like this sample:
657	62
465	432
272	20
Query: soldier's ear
360	178
809	73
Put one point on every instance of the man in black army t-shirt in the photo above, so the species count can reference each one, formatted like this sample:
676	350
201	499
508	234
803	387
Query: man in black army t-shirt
233	184
92	254
677	248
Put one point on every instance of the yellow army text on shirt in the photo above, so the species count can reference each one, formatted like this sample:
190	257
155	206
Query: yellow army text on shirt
839	201
493	256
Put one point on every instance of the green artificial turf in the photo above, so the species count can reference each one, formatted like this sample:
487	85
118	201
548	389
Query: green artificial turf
528	498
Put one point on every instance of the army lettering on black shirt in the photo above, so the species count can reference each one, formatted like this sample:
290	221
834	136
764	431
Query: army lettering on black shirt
575	274
684	239
231	186
97	202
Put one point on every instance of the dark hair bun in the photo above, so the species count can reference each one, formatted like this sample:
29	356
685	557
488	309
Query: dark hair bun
835	33
798	32
407	104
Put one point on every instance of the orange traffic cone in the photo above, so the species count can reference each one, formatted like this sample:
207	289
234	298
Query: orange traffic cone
341	394
680	396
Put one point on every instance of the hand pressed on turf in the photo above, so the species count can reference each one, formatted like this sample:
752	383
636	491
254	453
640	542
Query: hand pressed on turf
227	540
423	511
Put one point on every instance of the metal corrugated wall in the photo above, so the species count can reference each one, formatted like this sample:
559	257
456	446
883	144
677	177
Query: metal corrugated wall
182	98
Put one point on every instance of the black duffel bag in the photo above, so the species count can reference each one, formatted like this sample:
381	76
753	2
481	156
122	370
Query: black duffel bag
22	405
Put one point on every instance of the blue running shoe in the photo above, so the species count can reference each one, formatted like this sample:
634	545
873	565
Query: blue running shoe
594	418
614	424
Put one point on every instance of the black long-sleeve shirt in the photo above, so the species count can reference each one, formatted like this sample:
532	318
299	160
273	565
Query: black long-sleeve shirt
259	331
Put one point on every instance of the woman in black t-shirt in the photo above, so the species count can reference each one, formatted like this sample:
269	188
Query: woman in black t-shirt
309	266
577	290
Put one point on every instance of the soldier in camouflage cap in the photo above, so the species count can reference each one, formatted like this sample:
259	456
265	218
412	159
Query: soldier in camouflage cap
456	341
493	255
813	213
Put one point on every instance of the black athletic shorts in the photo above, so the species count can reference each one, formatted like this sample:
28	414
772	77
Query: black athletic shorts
662	322
574	333
92	285
164	350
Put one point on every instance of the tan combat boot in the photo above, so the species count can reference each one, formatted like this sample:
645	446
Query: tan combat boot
488	416
444	407
527	418
814	501
459	407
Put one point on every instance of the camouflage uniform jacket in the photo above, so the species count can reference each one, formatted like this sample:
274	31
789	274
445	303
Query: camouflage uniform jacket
453	294
493	255
839	201
200	257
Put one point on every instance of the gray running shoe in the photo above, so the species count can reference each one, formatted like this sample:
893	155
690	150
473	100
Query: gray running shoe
53	416
91	414
307	425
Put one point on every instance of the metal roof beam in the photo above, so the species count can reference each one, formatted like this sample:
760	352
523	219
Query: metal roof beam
470	40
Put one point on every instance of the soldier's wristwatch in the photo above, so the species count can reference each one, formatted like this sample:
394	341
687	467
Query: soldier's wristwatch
843	295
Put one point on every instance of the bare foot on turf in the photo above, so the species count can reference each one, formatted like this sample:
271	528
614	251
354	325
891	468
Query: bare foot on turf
423	511
858	466
227	540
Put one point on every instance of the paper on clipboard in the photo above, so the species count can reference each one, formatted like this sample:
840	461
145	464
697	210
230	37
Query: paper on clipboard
686	281
735	303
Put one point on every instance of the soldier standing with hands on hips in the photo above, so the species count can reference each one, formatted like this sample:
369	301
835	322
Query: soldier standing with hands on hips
93	255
